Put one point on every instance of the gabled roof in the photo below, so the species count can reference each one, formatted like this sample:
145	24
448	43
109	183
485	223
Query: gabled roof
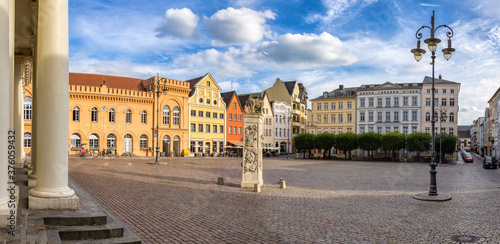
243	100
289	86
119	82
193	82
227	96
428	79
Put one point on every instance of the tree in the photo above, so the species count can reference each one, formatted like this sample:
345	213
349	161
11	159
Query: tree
448	142
346	142
324	141
369	141
304	142
392	141
418	142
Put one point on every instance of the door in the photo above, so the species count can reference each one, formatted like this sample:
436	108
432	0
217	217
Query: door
127	144
166	145
176	145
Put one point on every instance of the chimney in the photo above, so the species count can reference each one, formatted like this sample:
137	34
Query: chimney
341	87
325	94
440	76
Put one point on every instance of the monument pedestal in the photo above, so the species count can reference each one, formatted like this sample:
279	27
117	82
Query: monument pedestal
252	151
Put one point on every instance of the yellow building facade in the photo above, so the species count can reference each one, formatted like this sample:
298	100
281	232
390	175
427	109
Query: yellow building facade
119	114
207	113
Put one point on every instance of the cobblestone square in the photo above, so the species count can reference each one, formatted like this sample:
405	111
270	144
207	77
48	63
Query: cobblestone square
325	201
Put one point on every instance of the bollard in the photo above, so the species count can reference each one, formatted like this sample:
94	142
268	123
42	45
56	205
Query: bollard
283	184
281	180
220	181
256	188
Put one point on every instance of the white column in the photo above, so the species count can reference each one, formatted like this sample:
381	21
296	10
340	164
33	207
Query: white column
4	102
18	110
52	190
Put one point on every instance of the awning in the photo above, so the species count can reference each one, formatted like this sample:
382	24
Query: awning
236	143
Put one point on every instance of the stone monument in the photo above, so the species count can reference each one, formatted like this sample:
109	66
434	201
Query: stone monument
252	145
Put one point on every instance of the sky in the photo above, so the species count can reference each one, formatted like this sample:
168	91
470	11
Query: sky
246	44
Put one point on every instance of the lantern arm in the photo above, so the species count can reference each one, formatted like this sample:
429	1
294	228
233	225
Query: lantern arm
418	35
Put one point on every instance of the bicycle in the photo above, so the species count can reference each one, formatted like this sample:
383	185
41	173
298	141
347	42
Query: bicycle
95	154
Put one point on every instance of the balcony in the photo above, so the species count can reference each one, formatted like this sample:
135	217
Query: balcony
296	123
296	111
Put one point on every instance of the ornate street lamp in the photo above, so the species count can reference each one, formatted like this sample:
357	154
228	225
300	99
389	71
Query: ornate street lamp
432	43
158	92
442	118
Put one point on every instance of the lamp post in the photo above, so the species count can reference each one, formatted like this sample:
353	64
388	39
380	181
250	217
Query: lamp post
432	43
158	92
442	118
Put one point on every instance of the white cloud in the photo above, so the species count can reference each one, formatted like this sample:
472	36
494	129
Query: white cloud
307	51
238	26
337	8
180	23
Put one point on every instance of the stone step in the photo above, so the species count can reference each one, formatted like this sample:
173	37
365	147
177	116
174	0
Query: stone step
75	221
90	234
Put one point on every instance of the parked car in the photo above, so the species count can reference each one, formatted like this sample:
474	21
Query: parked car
489	162
468	158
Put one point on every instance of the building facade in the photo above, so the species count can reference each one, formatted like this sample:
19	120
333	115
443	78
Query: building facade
234	121
334	112
464	138
282	125
445	103
494	132
389	107
207	112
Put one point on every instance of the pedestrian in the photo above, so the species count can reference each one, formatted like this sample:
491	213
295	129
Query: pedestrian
82	152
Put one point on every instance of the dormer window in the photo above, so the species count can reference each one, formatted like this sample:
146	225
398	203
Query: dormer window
208	83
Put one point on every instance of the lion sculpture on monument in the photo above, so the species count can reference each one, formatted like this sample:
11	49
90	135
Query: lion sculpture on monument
254	105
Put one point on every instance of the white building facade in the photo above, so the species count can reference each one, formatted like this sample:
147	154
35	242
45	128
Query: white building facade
389	107
494	103
282	125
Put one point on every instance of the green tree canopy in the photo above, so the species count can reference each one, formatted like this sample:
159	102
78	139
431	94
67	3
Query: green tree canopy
369	141
418	142
392	141
304	142
346	142
324	141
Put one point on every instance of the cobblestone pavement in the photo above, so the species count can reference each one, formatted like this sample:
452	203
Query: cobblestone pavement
325	201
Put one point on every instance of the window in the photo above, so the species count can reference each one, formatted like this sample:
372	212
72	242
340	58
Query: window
93	114
166	115
128	116
405	130
75	140
235	129
193	127
208	101
235	117
326	106
443	102
214	146
193	147
362	117
143	144
230	117
379	116
221	129
379	130
76	114
214	129
428	91
234	105
396	101
405	115
111	141
435	102
27	108
396	129
208	83
427	130
379	102
94	142
361	130
396	116
370	102
427	102
450	131
207	114
177	115
144	116
214	115
387	129
341	105
414	115
405	101
239	117
207	128
111	115
319	106
221	116
387	101
361	102
200	146
428	116
200	113
276	132
444	91
452	91
200	127
193	113
413	129
341	118
215	103
387	116
452	117
319	119
333	106
370	129
349	117
452	102
414	101
27	140
349	105
230	130
325	118
370	116
280	132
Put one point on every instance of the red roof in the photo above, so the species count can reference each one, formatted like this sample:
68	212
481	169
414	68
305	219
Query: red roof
111	81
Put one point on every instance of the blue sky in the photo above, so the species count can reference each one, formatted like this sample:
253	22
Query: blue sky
247	44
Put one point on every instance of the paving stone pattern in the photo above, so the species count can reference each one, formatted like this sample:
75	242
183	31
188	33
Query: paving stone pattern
324	202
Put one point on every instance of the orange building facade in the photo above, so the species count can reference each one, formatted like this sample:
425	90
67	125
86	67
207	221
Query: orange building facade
234	122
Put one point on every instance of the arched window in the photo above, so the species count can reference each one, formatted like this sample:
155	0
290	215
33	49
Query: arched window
176	116
143	141
27	140
75	140
128	116
452	117
111	142
443	116
27	108
76	114
143	117
111	115
166	115
427	116
94	141
94	114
